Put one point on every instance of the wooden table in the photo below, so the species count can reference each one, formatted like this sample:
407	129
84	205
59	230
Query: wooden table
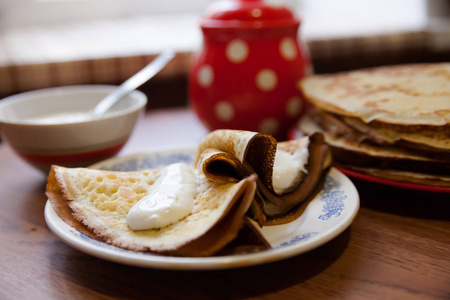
397	248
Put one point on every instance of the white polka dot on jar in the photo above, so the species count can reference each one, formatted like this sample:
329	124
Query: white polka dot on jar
288	49
205	76
256	12
294	106
266	80
237	51
269	125
224	111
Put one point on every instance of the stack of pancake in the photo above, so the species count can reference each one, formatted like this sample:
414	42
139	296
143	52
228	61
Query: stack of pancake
388	122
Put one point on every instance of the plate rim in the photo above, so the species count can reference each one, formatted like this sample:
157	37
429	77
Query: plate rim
133	258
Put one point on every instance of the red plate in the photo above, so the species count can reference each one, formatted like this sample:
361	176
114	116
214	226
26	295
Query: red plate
402	184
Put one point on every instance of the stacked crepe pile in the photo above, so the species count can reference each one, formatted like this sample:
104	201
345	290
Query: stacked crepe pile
388	122
233	174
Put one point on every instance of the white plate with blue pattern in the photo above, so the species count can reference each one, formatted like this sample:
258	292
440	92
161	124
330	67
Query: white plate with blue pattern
328	215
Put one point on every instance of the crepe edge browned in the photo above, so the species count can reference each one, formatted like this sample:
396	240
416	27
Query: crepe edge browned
59	201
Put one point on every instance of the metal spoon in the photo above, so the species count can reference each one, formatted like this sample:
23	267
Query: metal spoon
132	83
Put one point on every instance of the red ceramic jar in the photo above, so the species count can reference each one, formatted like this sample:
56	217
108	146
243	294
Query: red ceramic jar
247	72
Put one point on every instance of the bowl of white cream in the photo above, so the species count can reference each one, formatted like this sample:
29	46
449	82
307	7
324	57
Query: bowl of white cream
55	126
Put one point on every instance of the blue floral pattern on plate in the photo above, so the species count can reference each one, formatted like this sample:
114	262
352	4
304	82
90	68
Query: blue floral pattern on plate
298	238
333	198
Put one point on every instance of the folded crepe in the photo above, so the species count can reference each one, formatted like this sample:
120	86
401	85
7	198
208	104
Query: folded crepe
97	202
230	155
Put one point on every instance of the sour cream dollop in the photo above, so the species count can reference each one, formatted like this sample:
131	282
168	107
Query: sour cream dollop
170	199
286	168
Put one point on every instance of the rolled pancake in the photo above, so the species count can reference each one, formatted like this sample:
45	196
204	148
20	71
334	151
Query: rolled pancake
433	140
340	136
247	152
97	202
377	160
254	149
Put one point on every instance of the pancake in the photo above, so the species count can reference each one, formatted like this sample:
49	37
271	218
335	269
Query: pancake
432	140
405	95
228	154
350	151
97	202
390	121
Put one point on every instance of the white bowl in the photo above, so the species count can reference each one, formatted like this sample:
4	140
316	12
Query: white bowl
68	144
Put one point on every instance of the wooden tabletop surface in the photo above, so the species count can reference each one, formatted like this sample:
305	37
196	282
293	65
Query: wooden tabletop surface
398	247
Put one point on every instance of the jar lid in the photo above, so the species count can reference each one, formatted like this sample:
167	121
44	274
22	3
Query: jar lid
247	14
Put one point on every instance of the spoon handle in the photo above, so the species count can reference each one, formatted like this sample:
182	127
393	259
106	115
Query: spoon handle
133	82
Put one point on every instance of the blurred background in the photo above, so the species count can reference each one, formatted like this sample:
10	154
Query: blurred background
46	43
